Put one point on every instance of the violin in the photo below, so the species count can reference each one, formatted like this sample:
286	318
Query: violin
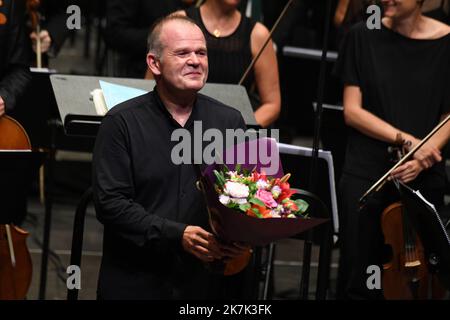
405	275
15	261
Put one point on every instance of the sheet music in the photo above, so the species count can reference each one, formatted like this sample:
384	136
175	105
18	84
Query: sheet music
115	94
430	205
99	102
425	200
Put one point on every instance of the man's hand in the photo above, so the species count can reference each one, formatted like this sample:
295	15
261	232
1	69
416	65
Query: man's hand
46	40
201	244
2	107
408	171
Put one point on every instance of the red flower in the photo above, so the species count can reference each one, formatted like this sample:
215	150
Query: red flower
291	205
263	211
286	191
257	176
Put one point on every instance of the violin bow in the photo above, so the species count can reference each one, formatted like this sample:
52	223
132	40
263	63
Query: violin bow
10	245
255	59
379	184
32	7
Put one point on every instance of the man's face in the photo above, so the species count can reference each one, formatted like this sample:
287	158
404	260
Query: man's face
183	64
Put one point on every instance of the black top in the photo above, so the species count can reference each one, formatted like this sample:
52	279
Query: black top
228	56
404	81
54	18
14	53
127	28
145	201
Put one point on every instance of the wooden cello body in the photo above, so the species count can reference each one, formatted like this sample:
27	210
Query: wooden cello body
15	259
406	276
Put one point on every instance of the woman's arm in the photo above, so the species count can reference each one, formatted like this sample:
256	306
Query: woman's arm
362	120
266	77
369	124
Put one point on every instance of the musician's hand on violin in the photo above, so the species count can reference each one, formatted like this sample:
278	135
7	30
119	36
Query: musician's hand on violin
201	244
408	171
46	40
428	155
2	107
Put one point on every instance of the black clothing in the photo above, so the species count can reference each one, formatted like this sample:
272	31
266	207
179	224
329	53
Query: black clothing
405	82
14	53
228	56
145	201
127	29
54	18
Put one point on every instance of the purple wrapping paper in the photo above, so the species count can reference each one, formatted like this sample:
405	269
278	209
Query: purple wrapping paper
235	226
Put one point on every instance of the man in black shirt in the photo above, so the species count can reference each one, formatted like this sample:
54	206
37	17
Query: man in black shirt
156	241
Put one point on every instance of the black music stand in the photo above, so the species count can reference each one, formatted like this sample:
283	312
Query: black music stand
79	117
17	169
431	230
38	115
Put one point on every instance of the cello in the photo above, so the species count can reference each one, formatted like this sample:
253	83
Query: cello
15	259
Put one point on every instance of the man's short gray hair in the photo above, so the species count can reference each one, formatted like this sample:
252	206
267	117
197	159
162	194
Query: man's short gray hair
154	44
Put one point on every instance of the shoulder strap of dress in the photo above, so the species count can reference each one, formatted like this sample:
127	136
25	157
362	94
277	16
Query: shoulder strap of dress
193	13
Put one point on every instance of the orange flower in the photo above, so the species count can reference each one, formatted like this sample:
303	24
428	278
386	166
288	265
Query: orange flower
263	211
291	205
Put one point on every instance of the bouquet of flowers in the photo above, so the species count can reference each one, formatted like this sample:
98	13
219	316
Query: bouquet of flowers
257	195
247	206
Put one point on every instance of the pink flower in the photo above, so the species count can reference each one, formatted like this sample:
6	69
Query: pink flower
266	197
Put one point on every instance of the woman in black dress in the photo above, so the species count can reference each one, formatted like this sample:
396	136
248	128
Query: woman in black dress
396	84
233	40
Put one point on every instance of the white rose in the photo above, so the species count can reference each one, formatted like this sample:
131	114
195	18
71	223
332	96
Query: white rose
261	184
236	189
239	200
224	199
276	191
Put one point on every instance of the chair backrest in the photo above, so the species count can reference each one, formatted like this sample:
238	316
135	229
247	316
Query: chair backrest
77	237
297	161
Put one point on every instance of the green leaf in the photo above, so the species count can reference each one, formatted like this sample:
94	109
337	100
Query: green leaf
256	212
257	202
302	205
220	178
245	207
237	168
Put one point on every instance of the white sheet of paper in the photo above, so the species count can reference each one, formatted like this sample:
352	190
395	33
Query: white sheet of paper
115	93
